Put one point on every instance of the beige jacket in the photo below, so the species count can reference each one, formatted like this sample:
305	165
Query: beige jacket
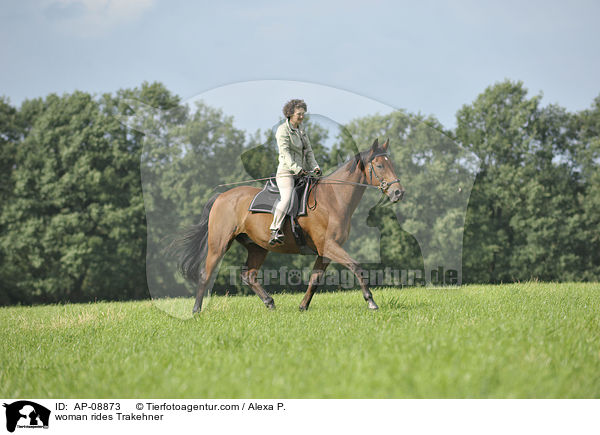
295	154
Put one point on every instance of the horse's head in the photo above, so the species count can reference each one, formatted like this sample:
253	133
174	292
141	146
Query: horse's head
380	171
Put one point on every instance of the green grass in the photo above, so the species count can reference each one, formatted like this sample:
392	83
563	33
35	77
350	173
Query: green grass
511	341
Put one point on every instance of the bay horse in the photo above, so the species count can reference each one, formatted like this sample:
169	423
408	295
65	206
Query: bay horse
226	218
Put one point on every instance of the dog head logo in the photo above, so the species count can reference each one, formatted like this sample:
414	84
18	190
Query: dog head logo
26	414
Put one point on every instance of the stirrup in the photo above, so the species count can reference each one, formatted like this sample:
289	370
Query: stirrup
276	237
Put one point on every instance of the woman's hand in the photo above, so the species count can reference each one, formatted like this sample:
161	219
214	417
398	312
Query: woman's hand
317	171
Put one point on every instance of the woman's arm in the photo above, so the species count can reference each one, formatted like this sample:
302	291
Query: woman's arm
310	155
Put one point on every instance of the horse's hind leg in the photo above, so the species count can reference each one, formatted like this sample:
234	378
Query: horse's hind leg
256	257
315	280
217	247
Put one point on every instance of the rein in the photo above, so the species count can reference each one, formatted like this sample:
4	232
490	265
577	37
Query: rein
321	181
241	182
383	184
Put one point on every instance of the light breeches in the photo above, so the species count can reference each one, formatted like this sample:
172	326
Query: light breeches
286	187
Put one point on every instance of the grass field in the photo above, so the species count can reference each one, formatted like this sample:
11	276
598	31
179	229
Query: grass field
528	340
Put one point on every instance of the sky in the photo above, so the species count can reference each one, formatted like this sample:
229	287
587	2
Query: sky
425	57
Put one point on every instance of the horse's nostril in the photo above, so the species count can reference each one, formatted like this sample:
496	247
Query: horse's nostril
397	192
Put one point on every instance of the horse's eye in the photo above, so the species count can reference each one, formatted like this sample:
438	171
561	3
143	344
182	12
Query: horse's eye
379	166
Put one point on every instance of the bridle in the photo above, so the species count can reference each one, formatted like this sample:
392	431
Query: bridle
383	184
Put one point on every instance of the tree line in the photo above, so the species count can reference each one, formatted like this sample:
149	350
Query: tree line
92	187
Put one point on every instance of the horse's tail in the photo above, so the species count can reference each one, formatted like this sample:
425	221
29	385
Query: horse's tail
190	247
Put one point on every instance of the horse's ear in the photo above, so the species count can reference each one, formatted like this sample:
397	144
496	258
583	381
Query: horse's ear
386	144
375	144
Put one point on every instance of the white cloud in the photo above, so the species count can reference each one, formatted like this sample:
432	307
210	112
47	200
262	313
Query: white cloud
90	18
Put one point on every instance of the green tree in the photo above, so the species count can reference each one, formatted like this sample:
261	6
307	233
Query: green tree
585	156
523	210
187	154
75	227
10	136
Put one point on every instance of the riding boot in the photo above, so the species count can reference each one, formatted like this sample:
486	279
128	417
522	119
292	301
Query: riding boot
276	237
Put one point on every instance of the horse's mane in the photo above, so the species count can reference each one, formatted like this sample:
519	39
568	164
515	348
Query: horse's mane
360	160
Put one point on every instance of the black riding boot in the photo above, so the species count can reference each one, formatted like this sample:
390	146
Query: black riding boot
276	237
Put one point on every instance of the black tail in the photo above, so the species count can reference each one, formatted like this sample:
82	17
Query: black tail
190	246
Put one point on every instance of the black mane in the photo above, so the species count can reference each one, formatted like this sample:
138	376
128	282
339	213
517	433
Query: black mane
362	159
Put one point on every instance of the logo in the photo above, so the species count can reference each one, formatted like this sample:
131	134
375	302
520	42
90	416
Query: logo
26	414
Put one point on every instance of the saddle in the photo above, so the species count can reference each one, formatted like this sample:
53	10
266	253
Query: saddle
266	200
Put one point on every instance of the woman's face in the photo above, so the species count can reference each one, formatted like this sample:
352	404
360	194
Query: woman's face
297	117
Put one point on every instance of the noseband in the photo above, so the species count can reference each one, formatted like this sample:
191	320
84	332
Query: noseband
383	184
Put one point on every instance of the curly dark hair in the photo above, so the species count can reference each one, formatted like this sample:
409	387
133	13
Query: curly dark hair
290	107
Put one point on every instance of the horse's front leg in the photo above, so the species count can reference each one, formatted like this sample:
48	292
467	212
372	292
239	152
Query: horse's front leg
336	253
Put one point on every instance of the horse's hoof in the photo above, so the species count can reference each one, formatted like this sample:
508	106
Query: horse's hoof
270	306
302	308
373	305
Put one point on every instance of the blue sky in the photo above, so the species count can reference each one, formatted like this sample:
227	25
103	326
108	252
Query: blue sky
428	57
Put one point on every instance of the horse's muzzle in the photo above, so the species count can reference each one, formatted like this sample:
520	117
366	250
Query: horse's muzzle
396	195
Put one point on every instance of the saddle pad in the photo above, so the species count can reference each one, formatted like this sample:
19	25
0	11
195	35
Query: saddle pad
267	198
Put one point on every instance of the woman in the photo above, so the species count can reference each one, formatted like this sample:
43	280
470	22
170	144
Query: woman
296	158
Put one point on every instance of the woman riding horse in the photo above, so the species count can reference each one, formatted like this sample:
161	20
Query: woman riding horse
296	158
226	218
